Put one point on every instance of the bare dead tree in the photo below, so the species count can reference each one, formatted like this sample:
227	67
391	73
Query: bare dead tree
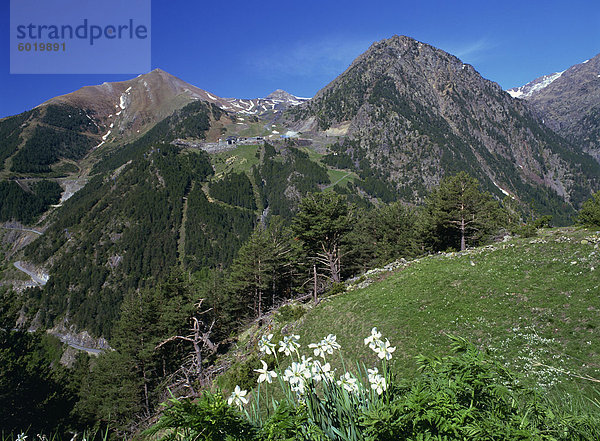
331	259
201	343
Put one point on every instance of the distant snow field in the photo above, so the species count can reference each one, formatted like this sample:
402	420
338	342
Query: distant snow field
530	88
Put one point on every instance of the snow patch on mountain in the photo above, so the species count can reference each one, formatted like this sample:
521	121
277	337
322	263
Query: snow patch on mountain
536	85
276	101
506	193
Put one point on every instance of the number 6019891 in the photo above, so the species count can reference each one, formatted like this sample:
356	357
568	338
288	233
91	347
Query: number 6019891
41	47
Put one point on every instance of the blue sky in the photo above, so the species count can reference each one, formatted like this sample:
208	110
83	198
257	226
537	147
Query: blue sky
247	49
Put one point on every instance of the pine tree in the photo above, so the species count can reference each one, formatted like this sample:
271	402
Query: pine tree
112	393
589	215
135	337
382	235
127	381
457	213
33	394
262	270
322	223
251	271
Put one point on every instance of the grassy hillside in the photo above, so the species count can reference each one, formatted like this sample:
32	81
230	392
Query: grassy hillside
533	303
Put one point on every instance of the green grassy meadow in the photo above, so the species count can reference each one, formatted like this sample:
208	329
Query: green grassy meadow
533	303
241	159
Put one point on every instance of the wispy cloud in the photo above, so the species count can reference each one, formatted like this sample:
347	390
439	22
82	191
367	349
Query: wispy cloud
319	57
470	51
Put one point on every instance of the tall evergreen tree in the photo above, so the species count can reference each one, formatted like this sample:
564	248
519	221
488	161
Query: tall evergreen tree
382	235
322	223
261	272
135	336
126	383
112	393
33	394
457	213
251	271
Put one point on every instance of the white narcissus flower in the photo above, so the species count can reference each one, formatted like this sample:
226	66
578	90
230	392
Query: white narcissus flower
378	384
330	343
377	381
289	344
265	374
372	373
299	387
321	372
21	436
266	345
318	349
238	397
325	346
348	382
326	372
373	339
384	350
305	365
295	373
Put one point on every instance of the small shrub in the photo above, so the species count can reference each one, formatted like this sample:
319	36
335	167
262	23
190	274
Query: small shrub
525	230
336	288
209	418
589	215
286	423
240	373
543	222
290	313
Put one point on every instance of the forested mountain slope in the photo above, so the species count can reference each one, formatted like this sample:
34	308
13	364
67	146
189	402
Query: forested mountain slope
161	206
121	230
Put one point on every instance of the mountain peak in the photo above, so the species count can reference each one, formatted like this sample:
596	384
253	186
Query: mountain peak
401	90
569	102
586	71
280	94
127	108
402	43
534	86
159	75
395	40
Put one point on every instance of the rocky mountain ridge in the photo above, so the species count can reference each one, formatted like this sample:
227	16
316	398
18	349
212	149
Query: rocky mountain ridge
126	108
275	102
569	104
96	120
534	86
